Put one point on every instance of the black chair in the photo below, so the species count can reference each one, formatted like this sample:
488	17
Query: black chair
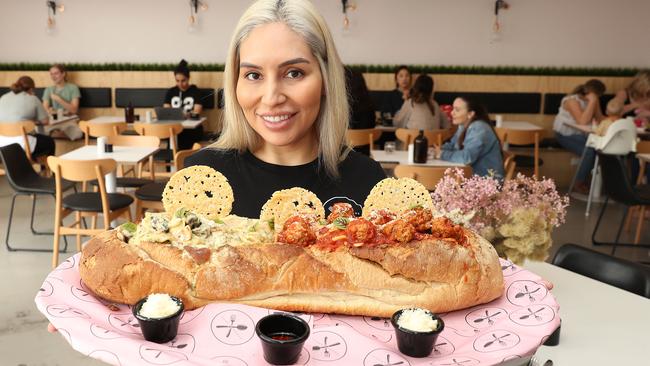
626	275
26	182
617	185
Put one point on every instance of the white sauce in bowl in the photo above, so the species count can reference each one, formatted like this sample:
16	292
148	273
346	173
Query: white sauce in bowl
417	320
159	306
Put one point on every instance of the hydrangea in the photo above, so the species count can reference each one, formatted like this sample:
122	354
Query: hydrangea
517	216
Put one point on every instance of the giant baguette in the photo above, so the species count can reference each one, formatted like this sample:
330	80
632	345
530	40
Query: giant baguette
437	274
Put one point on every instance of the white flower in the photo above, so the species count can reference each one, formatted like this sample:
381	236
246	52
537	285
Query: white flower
456	216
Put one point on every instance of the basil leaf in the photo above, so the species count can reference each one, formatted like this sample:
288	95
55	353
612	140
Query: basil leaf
129	227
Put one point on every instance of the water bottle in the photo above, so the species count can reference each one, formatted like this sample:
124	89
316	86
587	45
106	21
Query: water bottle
129	113
420	148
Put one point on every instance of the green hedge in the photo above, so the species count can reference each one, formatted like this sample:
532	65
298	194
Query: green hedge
381	69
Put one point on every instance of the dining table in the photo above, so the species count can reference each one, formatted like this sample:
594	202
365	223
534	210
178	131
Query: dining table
401	157
519	126
187	123
129	155
601	324
60	123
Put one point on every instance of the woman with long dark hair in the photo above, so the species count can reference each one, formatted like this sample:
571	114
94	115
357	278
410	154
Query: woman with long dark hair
475	142
420	111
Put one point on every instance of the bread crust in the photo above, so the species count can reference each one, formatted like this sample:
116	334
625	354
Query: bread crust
438	275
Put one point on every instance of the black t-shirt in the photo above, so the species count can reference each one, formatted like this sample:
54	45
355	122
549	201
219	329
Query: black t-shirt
253	181
183	99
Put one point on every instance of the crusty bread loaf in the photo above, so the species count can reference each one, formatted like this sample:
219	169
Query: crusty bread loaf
439	275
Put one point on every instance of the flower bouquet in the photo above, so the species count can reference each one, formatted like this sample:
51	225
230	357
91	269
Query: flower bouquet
517	216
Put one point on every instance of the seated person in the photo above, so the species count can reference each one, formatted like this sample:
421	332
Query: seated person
475	142
393	101
20	104
636	97
362	112
187	96
614	110
420	111
63	96
581	107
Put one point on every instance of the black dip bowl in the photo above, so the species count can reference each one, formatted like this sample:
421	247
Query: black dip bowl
159	330
413	343
283	336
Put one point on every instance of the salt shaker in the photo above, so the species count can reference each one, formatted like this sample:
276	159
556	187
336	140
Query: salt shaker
101	145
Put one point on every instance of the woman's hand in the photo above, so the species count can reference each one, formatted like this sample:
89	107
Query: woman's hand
438	151
51	328
592	97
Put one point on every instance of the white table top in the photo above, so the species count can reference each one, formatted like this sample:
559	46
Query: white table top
121	154
386	128
644	157
188	123
401	157
520	125
63	119
590	128
601	324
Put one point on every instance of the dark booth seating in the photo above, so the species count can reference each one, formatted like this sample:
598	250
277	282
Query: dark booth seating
552	102
154	97
525	103
90	97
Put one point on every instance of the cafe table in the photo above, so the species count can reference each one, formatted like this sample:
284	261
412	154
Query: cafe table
601	324
121	154
520	126
58	124
187	124
401	157
589	128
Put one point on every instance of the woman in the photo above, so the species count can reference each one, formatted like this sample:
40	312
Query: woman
63	95
420	111
581	107
187	96
475	142
393	101
286	112
636	96
20	104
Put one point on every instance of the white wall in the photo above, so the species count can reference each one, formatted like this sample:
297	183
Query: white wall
447	32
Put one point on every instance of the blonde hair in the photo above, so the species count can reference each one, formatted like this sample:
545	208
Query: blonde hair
614	107
331	124
639	88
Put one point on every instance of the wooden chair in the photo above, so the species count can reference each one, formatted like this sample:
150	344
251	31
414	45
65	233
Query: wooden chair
362	137
434	137
509	165
84	204
23	128
642	147
429	176
164	157
149	197
522	137
94	129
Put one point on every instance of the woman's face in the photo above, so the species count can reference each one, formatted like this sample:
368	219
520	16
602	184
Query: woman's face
403	79
56	75
460	115
182	81
279	86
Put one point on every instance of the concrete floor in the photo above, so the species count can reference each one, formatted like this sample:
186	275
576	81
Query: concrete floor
23	336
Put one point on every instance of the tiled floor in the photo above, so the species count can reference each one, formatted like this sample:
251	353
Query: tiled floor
23	336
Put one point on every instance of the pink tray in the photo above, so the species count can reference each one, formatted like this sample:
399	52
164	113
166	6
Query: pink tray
513	326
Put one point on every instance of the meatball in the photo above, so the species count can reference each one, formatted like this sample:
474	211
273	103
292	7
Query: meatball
297	230
380	217
419	217
340	209
399	230
360	231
